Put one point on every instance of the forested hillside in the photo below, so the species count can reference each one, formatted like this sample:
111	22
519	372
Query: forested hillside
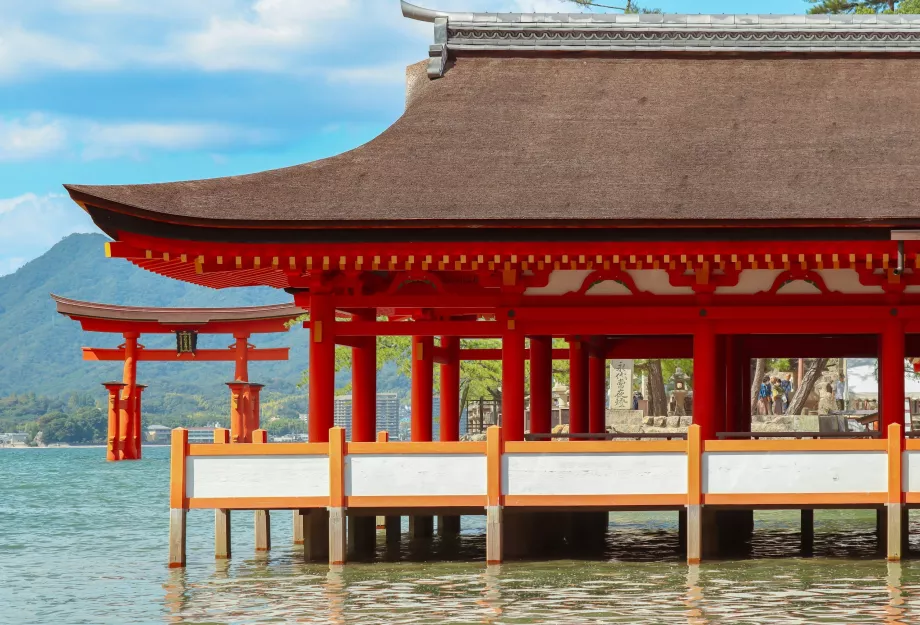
41	371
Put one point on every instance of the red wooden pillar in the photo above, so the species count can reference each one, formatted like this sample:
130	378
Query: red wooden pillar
422	383
138	390
364	386
705	374
450	389
743	422
541	384
126	431
114	389
241	370
322	367
597	389
255	417
513	356
237	411
578	386
891	374
722	363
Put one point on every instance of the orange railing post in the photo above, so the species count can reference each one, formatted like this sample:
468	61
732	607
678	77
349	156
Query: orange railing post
178	497
494	495
694	494
895	505
337	451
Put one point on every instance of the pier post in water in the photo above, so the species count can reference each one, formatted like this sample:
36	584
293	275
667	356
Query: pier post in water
221	534
808	532
316	535
299	522
263	530
394	529
362	536
896	522
178	503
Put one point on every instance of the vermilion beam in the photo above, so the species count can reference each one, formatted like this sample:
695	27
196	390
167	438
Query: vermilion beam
322	368
364	389
202	355
597	393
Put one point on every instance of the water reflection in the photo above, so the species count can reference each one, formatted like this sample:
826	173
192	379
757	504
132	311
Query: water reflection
895	597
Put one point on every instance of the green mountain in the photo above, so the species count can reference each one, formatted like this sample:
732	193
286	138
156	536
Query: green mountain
41	369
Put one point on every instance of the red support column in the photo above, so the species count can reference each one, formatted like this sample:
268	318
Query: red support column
541	384
422	391
114	389
597	389
743	424
891	374
241	370
721	384
255	418
126	432
322	367
578	386
513	356
364	387
450	389
138	451
705	374
733	385
237	412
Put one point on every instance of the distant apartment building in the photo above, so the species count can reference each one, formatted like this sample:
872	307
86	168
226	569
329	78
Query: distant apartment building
158	434
387	414
14	438
201	435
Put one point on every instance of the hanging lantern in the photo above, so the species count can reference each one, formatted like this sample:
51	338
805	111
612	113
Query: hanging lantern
186	341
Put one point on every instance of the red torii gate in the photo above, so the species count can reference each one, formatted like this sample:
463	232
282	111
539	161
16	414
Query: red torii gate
124	412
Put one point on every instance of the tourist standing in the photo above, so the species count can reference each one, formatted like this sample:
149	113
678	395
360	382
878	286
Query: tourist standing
840	393
765	395
777	390
787	391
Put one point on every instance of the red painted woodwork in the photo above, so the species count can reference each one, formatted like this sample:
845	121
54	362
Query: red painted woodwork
237	411
112	447
241	372
891	374
422	388
248	326
513	386
127	433
202	355
733	385
597	390
139	438
450	389
252	418
721	394
541	383
364	388
705	380
578	387
322	367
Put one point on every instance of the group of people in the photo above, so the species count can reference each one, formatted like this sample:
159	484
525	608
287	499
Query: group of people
775	394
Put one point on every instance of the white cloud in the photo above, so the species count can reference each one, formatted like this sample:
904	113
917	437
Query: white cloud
38	136
30	224
32	137
23	51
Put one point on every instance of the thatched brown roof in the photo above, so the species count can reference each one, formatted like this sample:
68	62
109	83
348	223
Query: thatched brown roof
607	139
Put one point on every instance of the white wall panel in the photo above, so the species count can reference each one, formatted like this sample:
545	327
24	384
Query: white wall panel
795	472
594	474
911	472
390	475
258	476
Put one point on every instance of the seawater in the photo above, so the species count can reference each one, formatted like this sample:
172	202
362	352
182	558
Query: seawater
84	541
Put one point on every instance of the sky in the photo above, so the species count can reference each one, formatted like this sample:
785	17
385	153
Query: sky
134	91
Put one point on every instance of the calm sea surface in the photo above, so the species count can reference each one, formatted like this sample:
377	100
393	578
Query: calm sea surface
84	541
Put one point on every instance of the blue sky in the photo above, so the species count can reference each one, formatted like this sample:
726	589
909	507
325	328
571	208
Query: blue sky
125	91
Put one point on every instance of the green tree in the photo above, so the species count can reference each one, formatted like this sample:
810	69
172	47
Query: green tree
631	7
864	6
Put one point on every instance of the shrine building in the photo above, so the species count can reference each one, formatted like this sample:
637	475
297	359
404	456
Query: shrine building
721	187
